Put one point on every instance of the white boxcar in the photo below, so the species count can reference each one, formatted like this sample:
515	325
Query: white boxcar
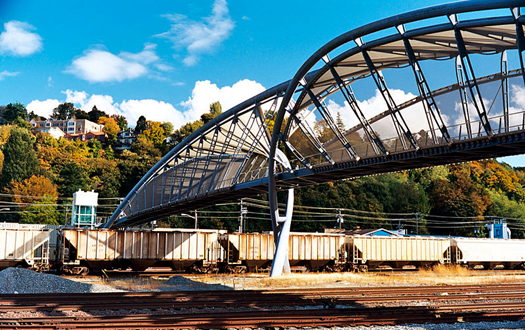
180	249
370	252
253	251
24	247
489	252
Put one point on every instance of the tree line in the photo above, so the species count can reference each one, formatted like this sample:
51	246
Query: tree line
39	173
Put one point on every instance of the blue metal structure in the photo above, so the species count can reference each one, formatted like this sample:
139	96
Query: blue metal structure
467	104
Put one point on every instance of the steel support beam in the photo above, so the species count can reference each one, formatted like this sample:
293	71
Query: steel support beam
470	77
431	110
399	123
311	136
463	96
331	123
349	96
505	90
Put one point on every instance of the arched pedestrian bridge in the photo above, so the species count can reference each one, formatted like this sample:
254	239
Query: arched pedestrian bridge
435	86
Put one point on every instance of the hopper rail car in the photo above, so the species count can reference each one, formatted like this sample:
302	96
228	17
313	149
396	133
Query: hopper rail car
78	251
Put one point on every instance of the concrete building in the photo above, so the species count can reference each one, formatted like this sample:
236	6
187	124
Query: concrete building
69	126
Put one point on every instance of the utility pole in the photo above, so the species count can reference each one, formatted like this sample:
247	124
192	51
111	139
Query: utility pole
242	217
418	214
195	219
340	219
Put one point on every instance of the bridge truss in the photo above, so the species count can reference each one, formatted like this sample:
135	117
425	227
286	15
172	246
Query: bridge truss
451	97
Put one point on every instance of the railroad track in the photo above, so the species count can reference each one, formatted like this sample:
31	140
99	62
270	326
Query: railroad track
219	309
274	318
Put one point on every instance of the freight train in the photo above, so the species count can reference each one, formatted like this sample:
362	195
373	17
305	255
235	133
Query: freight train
79	251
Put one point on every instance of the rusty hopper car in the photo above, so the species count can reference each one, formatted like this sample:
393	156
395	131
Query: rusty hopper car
181	249
24	247
489	253
254	251
372	252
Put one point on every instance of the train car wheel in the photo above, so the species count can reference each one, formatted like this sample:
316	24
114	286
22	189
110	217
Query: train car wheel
84	271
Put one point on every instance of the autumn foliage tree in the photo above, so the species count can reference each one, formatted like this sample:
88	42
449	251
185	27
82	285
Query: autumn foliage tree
36	198
111	128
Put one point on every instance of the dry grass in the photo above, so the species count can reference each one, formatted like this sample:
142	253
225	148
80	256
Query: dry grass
133	284
438	275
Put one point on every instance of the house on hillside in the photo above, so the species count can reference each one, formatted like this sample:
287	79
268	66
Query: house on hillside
57	133
100	136
125	139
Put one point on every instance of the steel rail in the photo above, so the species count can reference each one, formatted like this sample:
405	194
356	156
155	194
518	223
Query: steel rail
287	318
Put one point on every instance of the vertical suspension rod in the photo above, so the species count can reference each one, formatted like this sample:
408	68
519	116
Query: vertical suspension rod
505	90
463	96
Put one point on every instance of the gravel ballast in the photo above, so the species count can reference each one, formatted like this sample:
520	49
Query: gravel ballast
20	280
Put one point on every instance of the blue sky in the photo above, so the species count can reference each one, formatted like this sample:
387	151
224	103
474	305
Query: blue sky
167	60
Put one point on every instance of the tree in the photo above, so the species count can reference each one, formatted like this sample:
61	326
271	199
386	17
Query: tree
111	128
14	111
167	127
141	125
36	196
121	121
80	114
339	122
95	114
215	110
45	214
185	131
72	177
105	177
155	132
64	111
20	161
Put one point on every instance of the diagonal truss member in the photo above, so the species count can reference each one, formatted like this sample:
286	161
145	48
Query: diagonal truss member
467	69
349	96
431	110
399	123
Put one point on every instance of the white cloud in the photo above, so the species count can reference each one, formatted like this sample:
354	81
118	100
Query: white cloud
152	110
205	93
5	73
102	66
43	108
18	40
200	37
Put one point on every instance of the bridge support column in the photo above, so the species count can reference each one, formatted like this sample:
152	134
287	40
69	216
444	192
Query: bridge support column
281	225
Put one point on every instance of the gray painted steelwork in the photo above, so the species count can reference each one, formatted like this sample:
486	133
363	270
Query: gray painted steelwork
234	155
